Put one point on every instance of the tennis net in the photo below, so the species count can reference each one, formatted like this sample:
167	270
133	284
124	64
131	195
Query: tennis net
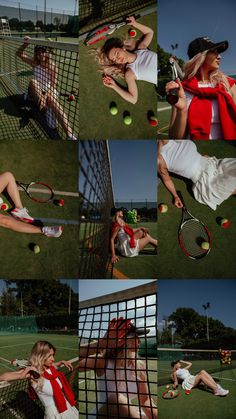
55	79
92	13
15	402
138	304
96	201
206	359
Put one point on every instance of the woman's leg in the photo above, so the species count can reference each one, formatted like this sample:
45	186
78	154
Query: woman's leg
118	407
144	241
36	93
7	221
8	182
206	379
59	114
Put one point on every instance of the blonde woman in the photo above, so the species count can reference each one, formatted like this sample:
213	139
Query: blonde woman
121	376
52	388
129	61
206	109
130	241
42	88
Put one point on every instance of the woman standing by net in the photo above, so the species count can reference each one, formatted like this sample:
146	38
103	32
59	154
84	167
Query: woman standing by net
132	62
121	376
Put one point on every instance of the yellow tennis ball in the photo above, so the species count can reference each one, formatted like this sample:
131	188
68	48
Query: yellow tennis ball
114	110
127	120
168	386
205	245
36	249
163	208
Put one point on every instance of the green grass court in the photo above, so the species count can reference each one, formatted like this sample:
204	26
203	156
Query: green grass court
55	163
199	403
87	388
220	263
96	121
16	118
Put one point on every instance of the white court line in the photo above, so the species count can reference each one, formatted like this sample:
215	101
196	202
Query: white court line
4	359
163	109
17	344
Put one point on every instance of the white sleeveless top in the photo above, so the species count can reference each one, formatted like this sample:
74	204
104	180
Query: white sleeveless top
182	373
145	65
181	157
42	77
46	394
215	132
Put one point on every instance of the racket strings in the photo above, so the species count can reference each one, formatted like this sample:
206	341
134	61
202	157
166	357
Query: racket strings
40	192
191	236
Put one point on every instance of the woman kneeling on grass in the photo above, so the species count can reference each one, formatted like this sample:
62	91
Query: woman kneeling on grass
130	240
120	375
22	221
189	381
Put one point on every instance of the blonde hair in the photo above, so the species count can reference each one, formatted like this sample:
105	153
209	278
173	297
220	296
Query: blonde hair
192	67
38	356
107	66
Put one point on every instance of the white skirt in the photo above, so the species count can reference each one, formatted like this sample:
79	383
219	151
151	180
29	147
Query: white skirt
52	413
215	182
188	382
124	245
93	414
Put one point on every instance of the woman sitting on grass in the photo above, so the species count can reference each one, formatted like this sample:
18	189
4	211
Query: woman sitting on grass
130	240
42	88
121	376
214	180
189	381
20	220
132	62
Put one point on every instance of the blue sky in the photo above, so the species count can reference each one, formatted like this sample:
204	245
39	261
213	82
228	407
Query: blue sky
181	21
193	293
134	169
68	5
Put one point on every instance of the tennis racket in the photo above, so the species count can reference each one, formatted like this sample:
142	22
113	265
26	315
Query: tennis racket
171	393
102	31
23	363
192	234
37	191
173	95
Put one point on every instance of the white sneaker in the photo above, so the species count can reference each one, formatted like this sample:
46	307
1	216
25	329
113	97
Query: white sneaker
72	137
22	214
221	392
52	231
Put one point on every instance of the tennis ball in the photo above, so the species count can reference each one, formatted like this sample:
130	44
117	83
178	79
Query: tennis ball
205	245
168	386
171	393
163	208
4	207
153	121
225	223
36	249
71	98
61	202
127	120
114	110
187	392
132	33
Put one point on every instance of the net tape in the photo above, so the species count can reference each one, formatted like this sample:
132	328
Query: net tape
140	305
96	201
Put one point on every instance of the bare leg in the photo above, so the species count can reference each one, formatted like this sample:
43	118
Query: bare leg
147	240
118	408
8	222
206	379
7	181
234	192
59	113
35	92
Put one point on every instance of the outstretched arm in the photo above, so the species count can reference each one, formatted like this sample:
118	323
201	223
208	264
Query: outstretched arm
163	172
130	94
22	374
147	32
187	363
21	52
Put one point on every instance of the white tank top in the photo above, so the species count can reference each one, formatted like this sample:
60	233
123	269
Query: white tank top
182	373
42	77
216	132
145	65
181	157
46	394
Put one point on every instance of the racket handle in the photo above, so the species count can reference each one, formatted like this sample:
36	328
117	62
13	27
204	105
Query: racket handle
173	96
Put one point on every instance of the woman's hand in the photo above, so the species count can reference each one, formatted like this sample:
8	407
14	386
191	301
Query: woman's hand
130	20
177	202
145	231
182	102
114	259
67	364
108	81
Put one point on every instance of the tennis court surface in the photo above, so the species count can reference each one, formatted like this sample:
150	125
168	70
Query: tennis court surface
220	262
55	163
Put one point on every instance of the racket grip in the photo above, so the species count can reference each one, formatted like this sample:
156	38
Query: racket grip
173	96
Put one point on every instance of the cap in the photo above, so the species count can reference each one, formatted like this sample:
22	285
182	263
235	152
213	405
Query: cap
114	210
204	44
